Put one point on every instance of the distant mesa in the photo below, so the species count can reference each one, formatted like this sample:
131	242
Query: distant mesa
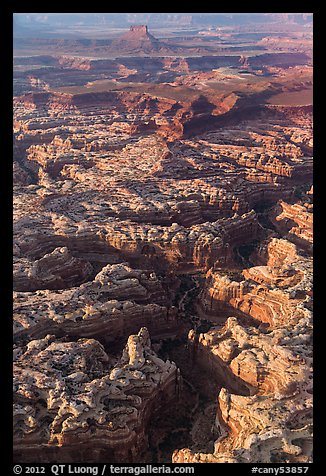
138	32
139	39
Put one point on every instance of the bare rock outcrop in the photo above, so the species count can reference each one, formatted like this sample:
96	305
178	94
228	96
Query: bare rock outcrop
116	303
72	401
295	222
269	293
138	39
265	403
55	270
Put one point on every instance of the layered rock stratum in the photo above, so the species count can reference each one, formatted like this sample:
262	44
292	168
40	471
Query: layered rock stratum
68	394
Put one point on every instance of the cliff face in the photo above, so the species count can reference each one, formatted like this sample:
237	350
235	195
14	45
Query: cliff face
118	301
68	394
295	222
55	270
269	293
252	364
197	247
264	410
179	117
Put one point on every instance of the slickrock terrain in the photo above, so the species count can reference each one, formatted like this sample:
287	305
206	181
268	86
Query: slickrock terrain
265	403
295	221
73	402
266	417
162	261
268	293
117	302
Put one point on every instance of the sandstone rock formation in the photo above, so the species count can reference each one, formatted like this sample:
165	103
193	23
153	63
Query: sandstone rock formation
138	39
116	303
295	221
269	293
68	394
265	404
159	196
55	270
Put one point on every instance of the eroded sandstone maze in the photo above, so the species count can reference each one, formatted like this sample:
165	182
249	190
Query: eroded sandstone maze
162	274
